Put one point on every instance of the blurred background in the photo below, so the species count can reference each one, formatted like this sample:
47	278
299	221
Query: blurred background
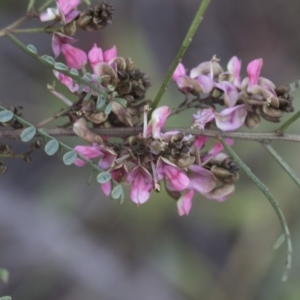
61	239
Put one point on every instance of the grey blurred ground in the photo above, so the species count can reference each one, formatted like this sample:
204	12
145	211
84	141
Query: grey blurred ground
61	239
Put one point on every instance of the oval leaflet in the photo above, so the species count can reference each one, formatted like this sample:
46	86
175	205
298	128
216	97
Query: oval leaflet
52	147
6	115
27	134
69	157
103	177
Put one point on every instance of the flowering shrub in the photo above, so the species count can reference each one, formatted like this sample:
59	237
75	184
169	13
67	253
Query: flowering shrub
112	101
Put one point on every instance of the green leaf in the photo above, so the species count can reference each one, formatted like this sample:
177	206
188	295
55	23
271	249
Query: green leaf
4	275
74	72
60	66
52	147
100	102
6	115
50	60
32	48
279	241
108	108
87	77
69	157
88	95
103	177
5	298
117	192
122	101
27	134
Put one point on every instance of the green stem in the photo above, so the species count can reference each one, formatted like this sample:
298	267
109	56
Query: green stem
283	163
289	122
272	201
34	30
30	5
48	64
186	42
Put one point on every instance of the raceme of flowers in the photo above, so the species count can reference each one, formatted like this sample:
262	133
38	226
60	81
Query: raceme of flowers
184	164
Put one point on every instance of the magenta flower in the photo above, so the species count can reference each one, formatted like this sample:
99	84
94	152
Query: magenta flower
253	71
230	93
117	173
66	80
175	176
141	184
202	117
75	57
96	55
64	11
89	152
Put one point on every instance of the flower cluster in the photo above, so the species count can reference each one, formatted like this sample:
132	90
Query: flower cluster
146	161
245	101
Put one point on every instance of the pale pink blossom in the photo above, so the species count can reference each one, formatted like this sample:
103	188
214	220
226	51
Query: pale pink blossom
230	93
96	55
253	70
231	118
234	67
141	184
184	203
202	117
89	152
158	119
66	80
64	11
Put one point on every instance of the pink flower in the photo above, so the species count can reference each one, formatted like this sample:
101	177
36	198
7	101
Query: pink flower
175	176
64	10
184	203
96	55
202	117
66	80
141	184
158	119
75	57
253	70
89	152
117	173
231	94
231	118
179	71
234	68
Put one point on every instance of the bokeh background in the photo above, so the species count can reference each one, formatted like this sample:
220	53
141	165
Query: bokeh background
61	239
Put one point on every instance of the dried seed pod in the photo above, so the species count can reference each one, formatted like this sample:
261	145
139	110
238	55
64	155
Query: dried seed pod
252	120
3	167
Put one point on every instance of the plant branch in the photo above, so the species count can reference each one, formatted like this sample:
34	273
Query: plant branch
50	65
53	117
18	22
186	42
282	163
34	30
126	132
272	201
289	122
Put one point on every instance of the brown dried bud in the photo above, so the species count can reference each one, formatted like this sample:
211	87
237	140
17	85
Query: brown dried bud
272	112
5	149
252	120
27	158
223	191
185	162
80	127
2	167
122	114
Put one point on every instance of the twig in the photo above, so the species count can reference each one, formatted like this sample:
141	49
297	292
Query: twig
186	42
289	122
53	117
272	201
126	132
283	163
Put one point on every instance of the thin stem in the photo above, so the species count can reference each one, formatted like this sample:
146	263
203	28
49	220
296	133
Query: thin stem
18	22
30	5
126	132
289	122
186	42
272	201
11	155
45	62
283	163
34	30
52	118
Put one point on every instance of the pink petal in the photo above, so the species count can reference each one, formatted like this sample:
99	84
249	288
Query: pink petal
70	16
108	157
253	70
234	67
95	55
106	188
179	71
58	40
231	94
49	14
75	57
67	5
177	177
158	119
231	118
206	83
184	203
218	147
202	117
110	54
200	141
141	184
201	179
89	152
